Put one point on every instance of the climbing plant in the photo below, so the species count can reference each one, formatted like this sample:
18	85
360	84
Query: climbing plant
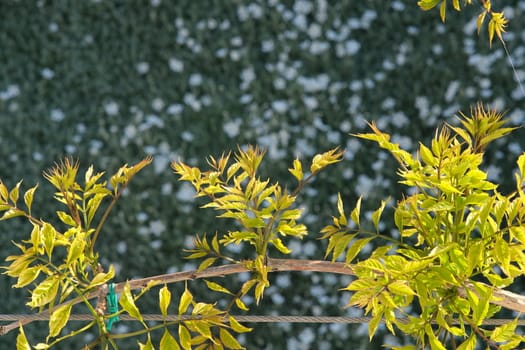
460	242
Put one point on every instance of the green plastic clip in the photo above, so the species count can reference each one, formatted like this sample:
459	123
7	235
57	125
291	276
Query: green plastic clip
112	305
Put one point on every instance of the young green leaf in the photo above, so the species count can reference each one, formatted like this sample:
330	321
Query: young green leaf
28	197
12	213
66	218
320	161
355	248
206	263
27	276
297	170
13	195
217	287
59	319
167	342
241	305
21	340
228	340
76	249
185	301
184	337
237	327
164	300
127	303
148	345
354	215
102	277
376	215
45	292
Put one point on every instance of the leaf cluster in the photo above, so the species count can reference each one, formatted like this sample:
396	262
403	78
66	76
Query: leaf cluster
497	20
61	265
459	238
264	212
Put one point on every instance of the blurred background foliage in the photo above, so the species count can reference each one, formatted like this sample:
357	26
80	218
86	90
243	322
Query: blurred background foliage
109	82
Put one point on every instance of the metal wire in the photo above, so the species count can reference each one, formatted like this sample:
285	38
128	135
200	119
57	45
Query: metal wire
247	319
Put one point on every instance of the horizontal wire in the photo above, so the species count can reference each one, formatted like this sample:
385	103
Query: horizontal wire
247	319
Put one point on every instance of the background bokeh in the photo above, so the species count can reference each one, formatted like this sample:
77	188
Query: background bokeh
109	82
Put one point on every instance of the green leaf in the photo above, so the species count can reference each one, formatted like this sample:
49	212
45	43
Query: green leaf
355	248
426	155
11	213
320	161
376	215
215	244
241	305
102	277
44	293
435	344
206	263
76	249
28	197
280	246
184	337
504	332
297	170
13	195
373	324
203	328
237	327
21	340
147	346
469	344
27	276
401	288
354	215
427	4
66	218
228	340
4	194
127	303
185	301
442	13
521	164
164	300
167	342
59	319
48	238
480	20
217	287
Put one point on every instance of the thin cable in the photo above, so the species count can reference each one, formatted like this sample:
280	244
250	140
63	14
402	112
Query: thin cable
516	76
247	319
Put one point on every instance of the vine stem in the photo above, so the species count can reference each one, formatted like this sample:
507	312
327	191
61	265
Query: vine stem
501	297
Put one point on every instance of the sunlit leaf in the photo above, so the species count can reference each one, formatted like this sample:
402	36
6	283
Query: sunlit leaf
184	337
185	301
66	218
217	287
167	342
228	340
28	197
21	340
44	293
297	170
127	303
237	327
59	319
164	300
